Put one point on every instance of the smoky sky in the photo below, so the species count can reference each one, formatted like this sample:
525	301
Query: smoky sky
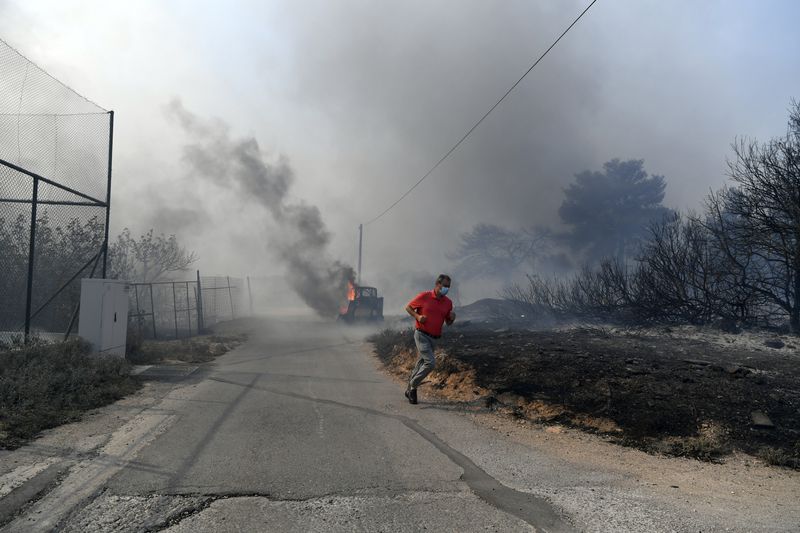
364	97
299	236
403	84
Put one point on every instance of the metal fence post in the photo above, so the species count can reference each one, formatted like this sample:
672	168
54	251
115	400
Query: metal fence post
230	296
214	301
108	187
31	253
250	294
189	309
138	309
199	304
175	309
197	310
153	311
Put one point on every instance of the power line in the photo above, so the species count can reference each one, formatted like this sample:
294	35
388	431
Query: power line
462	139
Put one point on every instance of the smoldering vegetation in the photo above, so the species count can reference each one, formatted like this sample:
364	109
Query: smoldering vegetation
301	238
664	392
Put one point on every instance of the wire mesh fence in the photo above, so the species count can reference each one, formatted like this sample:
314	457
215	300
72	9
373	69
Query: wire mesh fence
176	309
222	299
55	184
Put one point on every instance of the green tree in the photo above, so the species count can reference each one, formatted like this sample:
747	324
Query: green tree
149	258
608	212
61	251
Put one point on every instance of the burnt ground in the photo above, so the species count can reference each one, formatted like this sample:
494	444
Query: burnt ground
661	394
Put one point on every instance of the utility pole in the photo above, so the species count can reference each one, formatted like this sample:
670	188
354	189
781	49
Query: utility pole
360	242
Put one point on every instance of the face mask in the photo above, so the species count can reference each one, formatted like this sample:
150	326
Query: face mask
443	290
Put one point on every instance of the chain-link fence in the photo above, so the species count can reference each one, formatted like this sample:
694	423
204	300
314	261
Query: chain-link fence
176	309
223	299
55	189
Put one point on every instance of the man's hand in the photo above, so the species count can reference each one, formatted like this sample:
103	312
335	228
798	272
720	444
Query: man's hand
450	318
413	312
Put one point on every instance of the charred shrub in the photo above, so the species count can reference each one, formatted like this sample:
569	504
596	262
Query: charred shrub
779	457
389	341
736	262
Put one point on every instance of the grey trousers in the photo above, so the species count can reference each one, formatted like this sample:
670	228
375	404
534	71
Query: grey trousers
426	361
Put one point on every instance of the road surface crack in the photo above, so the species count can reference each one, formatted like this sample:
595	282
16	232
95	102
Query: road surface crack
534	510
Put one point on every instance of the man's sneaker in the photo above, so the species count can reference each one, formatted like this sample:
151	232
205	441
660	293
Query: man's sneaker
411	394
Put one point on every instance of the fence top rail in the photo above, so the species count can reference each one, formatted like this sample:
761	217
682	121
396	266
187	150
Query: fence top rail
35	176
54	114
45	202
141	283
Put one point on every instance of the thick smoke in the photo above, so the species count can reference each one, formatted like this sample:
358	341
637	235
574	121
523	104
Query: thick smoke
376	92
301	239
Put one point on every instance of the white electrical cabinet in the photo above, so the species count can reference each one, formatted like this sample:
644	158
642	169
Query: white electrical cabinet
103	319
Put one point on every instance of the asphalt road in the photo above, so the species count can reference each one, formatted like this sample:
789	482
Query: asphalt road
301	414
297	430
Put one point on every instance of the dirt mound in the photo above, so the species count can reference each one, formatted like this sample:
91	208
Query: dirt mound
669	395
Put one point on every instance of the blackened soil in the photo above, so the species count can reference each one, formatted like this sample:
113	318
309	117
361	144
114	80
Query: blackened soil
662	392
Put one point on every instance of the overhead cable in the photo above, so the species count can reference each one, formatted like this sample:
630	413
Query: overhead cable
464	137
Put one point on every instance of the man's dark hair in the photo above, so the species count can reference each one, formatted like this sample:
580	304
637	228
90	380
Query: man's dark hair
443	277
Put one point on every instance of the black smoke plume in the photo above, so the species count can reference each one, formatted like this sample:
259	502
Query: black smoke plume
302	238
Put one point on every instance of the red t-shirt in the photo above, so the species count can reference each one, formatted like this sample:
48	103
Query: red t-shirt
435	309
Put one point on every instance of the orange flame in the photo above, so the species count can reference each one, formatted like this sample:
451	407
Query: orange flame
351	295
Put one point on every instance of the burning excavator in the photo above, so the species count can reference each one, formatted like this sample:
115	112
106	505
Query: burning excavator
363	304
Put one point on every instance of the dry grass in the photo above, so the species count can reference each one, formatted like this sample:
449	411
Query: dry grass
44	385
711	443
199	349
777	457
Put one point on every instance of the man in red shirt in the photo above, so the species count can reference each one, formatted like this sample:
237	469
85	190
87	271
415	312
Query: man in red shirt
430	309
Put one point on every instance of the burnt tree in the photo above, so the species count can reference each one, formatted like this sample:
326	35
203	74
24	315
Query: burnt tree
756	223
684	276
489	250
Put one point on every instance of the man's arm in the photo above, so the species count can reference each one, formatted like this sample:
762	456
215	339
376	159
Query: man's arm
450	318
413	312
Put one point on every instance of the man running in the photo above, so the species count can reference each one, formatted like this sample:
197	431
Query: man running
430	309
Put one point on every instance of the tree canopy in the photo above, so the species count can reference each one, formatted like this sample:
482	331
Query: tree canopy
608	212
490	250
149	258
